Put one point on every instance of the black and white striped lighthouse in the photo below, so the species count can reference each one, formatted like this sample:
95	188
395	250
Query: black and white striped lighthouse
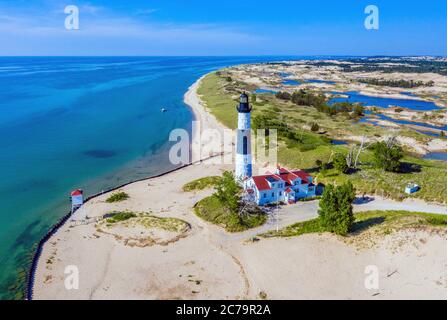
243	145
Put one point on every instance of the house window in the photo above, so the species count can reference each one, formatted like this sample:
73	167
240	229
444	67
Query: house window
273	194
245	145
265	195
280	193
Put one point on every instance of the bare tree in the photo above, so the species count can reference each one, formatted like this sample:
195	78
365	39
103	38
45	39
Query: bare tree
363	146
353	156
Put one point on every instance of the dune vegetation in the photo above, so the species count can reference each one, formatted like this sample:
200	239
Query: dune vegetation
304	148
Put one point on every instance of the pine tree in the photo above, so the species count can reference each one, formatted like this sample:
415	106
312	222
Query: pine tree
336	213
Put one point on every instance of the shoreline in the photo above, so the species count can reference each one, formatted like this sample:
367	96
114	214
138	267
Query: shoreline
192	100
206	122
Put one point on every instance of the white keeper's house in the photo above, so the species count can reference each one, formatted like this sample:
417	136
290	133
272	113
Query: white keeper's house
282	185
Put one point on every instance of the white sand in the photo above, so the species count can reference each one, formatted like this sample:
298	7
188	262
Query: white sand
211	264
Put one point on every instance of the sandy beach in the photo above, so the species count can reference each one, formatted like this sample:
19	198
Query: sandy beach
203	261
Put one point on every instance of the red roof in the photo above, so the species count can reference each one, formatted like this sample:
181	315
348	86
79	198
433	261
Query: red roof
302	174
288	190
77	193
261	182
285	175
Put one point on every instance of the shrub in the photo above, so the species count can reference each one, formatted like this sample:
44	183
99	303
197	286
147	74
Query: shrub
315	127
387	157
283	95
340	163
227	191
319	164
336	213
117	197
121	216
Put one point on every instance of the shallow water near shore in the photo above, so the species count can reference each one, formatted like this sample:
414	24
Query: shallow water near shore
91	123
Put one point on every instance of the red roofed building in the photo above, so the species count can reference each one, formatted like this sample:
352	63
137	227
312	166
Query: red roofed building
281	186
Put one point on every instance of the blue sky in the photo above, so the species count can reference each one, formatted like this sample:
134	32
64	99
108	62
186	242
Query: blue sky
243	27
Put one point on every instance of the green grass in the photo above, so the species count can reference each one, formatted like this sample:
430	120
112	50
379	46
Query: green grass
146	220
120	216
297	229
117	197
202	183
210	209
384	222
168	224
222	106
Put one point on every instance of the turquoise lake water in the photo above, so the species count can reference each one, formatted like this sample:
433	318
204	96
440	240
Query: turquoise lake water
90	123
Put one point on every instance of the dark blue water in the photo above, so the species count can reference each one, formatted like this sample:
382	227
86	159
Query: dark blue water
436	156
291	82
265	91
320	81
406	93
355	97
90	123
339	142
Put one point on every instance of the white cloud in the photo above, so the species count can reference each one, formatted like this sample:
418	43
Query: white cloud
102	33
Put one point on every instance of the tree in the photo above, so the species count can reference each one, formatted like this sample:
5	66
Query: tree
227	191
358	110
340	163
336	213
319	164
253	98
387	155
314	127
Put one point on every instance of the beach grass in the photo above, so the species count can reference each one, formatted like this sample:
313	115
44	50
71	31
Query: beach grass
210	209
201	184
148	221
120	216
117	197
384	222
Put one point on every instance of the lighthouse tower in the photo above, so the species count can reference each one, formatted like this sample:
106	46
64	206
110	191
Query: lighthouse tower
243	145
